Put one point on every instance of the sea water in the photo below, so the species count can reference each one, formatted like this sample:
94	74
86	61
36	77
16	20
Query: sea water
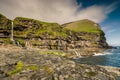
109	57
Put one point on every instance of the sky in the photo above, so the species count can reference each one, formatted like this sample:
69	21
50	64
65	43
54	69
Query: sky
111	24
104	12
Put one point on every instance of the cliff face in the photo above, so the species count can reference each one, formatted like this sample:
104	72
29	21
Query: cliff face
5	26
75	35
88	33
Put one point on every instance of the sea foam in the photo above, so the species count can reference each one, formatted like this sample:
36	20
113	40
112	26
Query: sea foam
102	54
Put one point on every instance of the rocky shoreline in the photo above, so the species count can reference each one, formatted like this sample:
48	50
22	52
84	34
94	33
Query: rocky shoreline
31	64
112	69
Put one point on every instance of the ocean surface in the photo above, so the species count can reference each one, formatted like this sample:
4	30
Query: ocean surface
109	57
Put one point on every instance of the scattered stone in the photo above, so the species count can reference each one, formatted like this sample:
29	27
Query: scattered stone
31	65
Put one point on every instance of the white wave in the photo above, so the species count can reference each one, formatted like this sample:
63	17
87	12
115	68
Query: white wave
101	54
98	54
108	53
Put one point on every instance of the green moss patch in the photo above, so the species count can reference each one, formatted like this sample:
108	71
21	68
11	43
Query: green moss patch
6	40
20	67
90	74
5	23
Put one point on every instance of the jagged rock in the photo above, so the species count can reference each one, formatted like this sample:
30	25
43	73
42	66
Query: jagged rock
33	66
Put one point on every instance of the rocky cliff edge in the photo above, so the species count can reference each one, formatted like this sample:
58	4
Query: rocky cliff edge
83	35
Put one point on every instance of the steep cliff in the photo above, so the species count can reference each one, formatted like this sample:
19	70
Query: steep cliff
88	33
82	34
5	26
37	33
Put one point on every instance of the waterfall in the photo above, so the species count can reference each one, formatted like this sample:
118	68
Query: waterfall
12	31
18	44
12	38
77	53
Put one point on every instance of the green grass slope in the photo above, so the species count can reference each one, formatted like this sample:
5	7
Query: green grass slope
25	27
5	23
83	26
5	26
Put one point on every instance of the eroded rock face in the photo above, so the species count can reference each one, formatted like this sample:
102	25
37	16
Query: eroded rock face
52	36
5	26
70	36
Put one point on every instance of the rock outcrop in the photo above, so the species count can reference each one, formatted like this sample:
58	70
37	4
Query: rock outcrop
30	65
83	34
5	27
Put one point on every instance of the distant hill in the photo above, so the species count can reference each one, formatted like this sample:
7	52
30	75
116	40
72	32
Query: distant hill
83	26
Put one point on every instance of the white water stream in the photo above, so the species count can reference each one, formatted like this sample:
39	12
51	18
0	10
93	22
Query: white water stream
12	31
12	38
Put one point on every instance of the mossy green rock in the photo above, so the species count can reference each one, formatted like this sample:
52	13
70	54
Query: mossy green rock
26	27
5	26
5	23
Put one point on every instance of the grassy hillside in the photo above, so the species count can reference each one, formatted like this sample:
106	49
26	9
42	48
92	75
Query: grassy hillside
4	22
5	26
52	35
83	26
25	27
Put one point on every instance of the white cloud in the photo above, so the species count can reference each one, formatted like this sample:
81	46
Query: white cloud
61	11
105	28
114	44
111	31
111	27
108	29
